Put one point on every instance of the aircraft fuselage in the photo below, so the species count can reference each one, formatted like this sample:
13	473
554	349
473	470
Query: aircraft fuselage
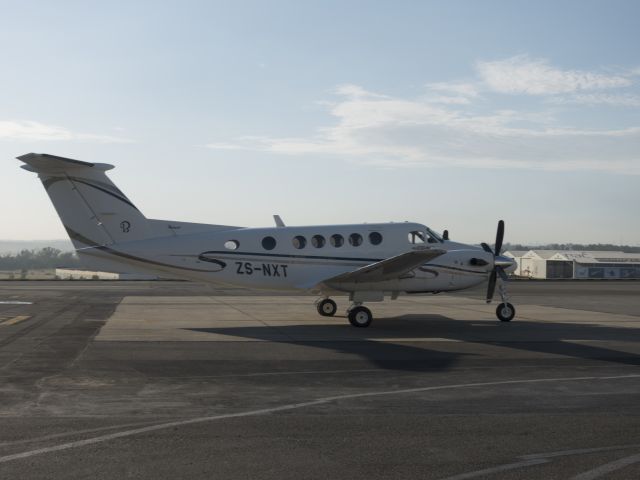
299	258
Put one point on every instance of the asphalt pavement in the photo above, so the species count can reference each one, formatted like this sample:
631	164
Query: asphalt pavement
179	380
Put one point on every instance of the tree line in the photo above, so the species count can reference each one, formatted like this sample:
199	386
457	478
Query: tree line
43	258
596	247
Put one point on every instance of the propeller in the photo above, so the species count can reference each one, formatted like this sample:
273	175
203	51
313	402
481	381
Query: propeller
497	268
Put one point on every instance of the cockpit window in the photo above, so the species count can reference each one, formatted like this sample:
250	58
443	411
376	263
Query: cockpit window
416	237
419	237
435	236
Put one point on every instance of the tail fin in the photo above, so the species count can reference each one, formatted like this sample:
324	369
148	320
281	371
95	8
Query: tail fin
92	209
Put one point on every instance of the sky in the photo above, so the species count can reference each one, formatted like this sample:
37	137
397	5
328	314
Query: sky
454	114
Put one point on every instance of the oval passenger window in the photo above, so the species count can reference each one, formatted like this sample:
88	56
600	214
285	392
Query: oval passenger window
268	243
318	241
231	244
337	240
299	242
375	238
355	239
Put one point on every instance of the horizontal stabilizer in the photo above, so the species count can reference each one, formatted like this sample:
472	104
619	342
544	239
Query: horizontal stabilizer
43	162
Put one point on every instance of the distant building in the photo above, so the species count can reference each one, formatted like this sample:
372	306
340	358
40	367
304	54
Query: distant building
75	274
517	256
575	264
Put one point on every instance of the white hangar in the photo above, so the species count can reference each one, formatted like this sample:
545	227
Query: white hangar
575	264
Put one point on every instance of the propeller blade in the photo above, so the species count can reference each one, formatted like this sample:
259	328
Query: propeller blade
492	285
486	247
502	273
499	237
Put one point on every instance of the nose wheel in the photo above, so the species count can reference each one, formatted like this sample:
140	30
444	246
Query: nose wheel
505	312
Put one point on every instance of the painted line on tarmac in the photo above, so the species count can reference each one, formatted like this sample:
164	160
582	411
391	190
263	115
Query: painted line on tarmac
541	458
579	451
298	372
378	371
292	406
14	320
14	302
75	432
608	468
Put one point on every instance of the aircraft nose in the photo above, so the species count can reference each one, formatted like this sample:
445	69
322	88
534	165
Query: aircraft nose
508	264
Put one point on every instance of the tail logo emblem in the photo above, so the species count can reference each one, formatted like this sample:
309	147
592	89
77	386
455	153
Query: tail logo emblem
125	226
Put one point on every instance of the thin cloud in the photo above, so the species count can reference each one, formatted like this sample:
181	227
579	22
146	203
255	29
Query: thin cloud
524	75
457	88
451	93
35	131
612	100
445	127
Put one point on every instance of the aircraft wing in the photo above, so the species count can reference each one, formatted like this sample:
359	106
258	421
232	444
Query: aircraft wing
389	268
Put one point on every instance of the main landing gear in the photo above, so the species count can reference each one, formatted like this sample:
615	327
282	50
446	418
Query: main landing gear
326	307
358	315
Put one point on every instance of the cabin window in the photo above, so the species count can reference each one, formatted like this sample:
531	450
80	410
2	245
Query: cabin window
299	242
318	241
375	238
355	239
231	244
337	240
268	243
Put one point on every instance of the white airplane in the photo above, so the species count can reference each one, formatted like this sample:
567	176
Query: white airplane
366	261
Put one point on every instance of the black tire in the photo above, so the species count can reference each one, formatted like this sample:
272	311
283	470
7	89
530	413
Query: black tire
327	307
360	317
505	312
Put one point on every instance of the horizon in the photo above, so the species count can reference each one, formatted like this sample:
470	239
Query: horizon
452	115
56	243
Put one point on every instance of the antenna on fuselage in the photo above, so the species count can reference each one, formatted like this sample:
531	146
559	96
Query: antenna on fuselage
278	220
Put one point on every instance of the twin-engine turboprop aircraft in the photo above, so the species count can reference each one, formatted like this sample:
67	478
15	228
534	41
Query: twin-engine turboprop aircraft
366	261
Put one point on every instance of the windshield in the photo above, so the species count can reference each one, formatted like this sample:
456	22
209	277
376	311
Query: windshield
433	235
428	236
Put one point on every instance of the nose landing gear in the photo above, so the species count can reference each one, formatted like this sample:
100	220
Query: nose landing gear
505	311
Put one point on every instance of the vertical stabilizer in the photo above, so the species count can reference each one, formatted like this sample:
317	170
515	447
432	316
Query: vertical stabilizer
92	209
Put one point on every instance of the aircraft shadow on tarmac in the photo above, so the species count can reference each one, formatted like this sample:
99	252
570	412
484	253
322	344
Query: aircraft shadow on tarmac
389	344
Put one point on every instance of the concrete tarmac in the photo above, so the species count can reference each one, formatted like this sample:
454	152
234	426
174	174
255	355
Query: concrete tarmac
179	380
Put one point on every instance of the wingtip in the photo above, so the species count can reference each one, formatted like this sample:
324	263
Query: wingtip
26	156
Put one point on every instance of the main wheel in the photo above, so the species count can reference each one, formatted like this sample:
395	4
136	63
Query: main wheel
505	312
360	317
327	307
